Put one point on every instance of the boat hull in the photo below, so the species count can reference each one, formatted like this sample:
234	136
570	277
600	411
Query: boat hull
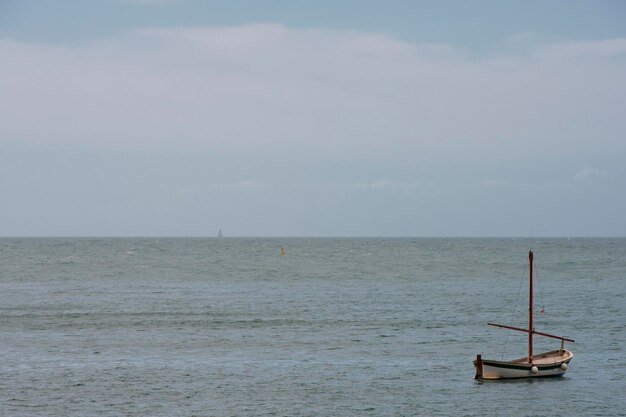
548	364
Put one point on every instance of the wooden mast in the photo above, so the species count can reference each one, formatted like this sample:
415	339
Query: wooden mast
530	310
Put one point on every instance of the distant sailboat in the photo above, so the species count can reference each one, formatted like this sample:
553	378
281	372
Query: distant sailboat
219	234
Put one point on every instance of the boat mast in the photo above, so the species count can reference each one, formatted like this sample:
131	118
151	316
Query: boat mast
530	310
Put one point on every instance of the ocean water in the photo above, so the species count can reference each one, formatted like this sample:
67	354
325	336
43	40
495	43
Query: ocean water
336	327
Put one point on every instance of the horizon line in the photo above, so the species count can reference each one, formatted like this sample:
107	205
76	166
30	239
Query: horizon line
306	237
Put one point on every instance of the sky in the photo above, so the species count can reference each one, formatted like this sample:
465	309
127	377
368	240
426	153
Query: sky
301	118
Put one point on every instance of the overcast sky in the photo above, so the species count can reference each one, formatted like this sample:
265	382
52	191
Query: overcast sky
312	118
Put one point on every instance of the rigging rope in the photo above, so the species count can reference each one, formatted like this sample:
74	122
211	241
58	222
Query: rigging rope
540	291
519	291
542	308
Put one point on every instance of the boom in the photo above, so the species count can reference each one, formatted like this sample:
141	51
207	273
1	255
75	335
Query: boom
534	332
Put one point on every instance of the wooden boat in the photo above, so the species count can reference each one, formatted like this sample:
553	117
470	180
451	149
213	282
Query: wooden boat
553	363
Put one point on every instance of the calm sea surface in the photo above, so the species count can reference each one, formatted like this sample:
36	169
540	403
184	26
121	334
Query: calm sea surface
336	327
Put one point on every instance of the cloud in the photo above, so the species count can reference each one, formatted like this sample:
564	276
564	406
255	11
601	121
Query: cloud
376	186
588	174
385	185
263	87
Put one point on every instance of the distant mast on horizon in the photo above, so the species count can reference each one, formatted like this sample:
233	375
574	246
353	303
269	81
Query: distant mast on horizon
219	234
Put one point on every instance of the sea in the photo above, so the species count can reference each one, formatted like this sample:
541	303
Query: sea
305	326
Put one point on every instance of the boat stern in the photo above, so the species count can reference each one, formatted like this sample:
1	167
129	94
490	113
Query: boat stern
478	364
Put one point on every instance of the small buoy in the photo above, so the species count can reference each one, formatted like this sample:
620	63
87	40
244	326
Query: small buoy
563	366
534	370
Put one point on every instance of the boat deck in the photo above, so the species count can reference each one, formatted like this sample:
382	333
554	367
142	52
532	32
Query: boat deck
547	357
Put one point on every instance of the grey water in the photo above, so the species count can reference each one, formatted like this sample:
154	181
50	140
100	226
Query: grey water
335	327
